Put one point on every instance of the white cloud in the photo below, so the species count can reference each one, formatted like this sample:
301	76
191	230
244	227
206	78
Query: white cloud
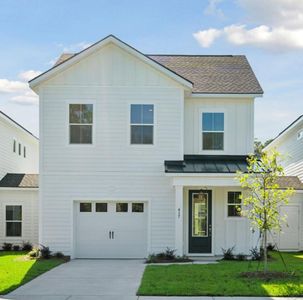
280	29
18	90
207	37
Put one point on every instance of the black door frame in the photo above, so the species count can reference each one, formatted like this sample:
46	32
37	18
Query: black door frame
210	220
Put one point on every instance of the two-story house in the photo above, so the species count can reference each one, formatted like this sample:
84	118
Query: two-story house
139	152
289	143
19	159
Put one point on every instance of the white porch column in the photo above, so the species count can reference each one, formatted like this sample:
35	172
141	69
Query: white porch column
179	220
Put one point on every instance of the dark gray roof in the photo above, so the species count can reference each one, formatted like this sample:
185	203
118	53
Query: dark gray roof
290	182
20	180
214	74
207	164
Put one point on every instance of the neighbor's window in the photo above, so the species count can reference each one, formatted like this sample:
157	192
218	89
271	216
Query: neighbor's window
14	146
19	149
13	220
81	123
234	204
142	124
212	131
121	207
138	207
85	207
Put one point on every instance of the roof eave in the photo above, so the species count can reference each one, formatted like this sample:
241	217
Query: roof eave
226	95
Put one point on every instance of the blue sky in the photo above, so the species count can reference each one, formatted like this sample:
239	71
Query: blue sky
34	33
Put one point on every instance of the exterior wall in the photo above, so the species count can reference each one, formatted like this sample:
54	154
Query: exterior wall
292	149
111	168
29	201
238	124
227	232
11	162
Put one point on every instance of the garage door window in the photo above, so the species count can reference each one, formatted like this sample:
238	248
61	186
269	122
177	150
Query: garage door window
122	207
85	207
13	220
101	207
138	207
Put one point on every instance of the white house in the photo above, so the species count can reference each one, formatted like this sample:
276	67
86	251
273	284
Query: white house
289	143
19	160
139	152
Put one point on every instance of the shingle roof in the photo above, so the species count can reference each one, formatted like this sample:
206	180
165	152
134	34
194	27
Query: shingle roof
20	180
207	164
221	74
291	182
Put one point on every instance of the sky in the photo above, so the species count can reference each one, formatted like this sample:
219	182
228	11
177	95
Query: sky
33	33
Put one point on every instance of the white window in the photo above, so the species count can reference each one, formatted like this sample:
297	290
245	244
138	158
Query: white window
234	204
13	220
81	123
300	135
212	131
142	124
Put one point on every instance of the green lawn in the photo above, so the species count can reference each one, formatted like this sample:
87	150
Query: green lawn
223	279
16	269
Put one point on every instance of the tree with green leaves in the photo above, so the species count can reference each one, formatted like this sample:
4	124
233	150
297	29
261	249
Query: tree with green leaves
263	196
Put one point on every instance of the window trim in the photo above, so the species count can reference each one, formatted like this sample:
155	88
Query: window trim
16	221
232	218
83	101
129	124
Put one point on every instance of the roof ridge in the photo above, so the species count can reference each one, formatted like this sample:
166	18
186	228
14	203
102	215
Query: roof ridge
198	55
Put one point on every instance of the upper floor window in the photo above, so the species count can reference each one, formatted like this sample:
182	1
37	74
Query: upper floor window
81	123
13	217
212	131
142	124
19	149
14	146
300	135
24	151
234	204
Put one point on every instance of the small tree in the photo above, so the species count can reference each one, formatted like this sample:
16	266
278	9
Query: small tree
262	195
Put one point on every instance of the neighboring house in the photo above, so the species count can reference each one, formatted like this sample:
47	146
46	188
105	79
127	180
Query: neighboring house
139	152
19	163
289	143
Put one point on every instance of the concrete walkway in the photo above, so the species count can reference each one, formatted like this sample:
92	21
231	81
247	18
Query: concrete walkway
96	280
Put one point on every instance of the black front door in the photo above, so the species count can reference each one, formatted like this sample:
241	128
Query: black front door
199	221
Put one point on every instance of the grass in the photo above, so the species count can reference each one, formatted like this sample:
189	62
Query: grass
223	279
17	269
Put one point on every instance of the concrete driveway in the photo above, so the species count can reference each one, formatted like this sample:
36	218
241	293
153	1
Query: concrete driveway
85	279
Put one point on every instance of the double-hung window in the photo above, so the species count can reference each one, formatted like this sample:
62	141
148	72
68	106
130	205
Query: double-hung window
234	204
81	123
212	131
142	124
13	217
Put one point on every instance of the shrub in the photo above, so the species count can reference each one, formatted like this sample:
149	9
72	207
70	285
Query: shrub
27	246
241	257
255	253
59	255
170	253
228	253
34	253
7	246
45	252
16	247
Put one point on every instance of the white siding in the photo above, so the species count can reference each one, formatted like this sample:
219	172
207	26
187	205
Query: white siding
11	162
292	150
238	124
28	199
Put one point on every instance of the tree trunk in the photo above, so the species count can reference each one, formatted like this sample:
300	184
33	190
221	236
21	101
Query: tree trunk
265	251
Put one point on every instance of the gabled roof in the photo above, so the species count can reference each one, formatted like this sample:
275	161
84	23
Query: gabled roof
20	180
292	125
205	74
12	121
71	59
214	74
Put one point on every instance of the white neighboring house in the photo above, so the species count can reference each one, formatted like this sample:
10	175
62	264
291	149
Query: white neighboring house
19	164
289	143
139	152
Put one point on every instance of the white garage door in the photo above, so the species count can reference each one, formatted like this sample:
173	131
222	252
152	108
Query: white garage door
289	237
111	230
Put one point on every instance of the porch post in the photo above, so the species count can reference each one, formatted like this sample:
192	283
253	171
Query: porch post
179	220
